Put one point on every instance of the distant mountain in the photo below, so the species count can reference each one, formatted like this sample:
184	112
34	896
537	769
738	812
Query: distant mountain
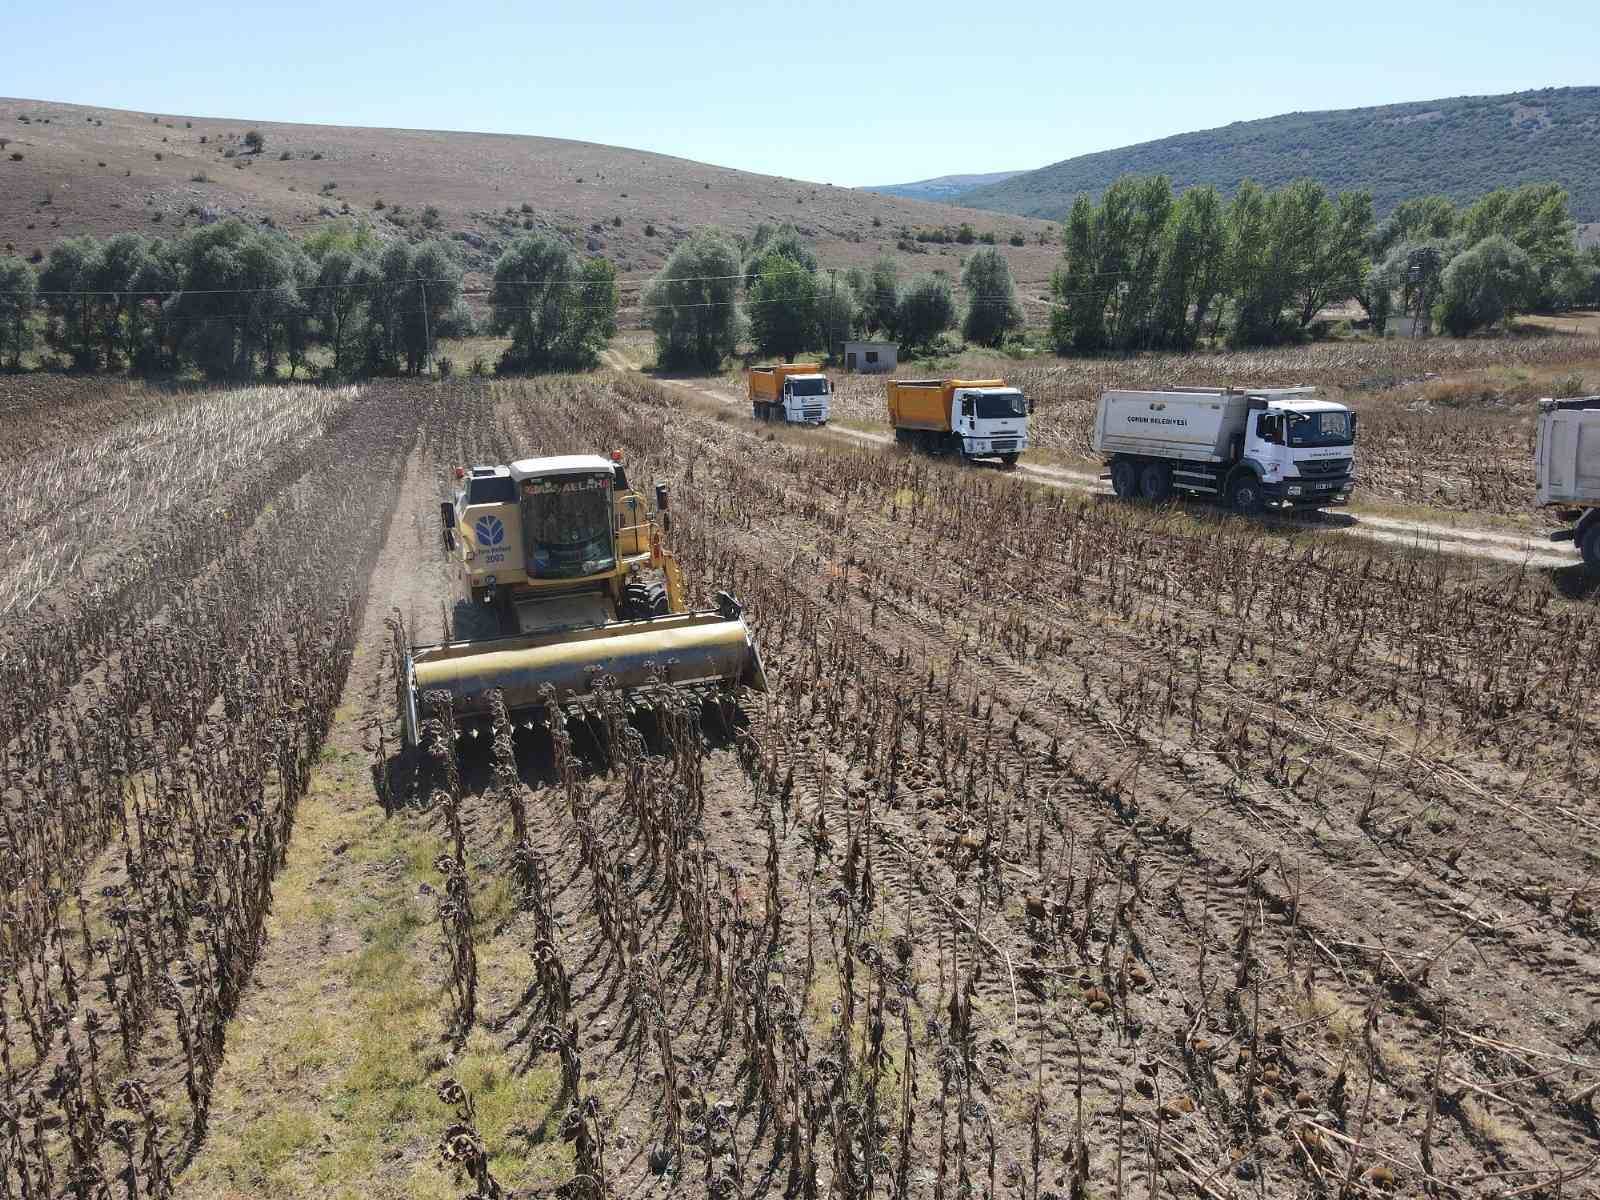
1460	147
940	188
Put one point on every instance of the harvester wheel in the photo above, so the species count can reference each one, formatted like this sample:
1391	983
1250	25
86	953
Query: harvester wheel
1124	479
655	601
635	602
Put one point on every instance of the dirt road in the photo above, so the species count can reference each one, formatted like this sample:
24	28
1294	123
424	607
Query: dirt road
1463	541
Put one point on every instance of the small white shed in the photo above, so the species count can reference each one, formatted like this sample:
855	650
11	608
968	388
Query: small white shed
870	358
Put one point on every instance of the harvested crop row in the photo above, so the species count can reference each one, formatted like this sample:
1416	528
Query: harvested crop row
1034	814
128	963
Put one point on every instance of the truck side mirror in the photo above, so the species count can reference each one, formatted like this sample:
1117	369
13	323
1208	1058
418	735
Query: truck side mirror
1352	427
447	514
1032	404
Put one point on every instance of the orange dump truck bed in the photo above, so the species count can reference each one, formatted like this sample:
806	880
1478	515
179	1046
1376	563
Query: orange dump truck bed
766	383
925	403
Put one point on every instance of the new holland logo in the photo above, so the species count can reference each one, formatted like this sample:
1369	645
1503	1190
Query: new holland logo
490	531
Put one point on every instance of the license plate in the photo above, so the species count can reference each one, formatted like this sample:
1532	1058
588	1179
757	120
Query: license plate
1322	487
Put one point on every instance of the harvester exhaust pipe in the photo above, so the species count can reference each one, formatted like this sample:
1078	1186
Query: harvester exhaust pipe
663	508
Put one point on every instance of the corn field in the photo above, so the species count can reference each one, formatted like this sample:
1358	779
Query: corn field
1074	852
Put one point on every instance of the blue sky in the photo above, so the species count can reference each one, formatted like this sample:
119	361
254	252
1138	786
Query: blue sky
843	93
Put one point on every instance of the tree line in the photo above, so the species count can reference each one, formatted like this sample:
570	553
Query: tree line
235	301
717	290
1145	269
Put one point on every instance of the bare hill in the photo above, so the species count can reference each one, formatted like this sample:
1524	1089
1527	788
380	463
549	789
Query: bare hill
99	170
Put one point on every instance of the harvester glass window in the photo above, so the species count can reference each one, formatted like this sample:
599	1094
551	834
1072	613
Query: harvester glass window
1321	429
998	406
567	526
493	489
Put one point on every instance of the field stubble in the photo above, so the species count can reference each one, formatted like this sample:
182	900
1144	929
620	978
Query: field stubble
1071	853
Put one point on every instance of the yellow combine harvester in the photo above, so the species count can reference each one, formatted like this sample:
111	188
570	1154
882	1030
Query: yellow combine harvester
571	563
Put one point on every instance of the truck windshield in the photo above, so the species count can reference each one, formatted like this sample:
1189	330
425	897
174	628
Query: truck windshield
808	387
994	406
566	526
1321	429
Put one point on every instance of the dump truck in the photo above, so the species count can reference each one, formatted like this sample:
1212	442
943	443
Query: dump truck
571	563
1566	455
975	418
794	392
1249	447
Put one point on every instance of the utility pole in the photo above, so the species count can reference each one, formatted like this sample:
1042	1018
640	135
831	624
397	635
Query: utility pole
427	335
1422	272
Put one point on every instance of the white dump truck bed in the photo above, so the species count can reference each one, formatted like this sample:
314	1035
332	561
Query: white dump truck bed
1193	424
1567	451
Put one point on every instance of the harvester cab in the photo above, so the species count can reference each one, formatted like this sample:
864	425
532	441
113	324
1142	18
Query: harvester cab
573	564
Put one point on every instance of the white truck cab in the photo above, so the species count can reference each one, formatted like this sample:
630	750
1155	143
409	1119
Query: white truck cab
806	399
1301	446
990	421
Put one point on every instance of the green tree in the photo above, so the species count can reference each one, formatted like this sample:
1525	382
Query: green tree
1193	268
881	301
18	295
1268	235
1148	216
783	307
238	286
839	308
64	284
782	242
155	338
112	274
1077	316
1536	219
1333	261
992	308
343	279
1417	218
693	302
558	313
926	311
1486	285
254	142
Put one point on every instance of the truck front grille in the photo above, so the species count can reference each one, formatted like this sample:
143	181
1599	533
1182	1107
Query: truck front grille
1324	466
1007	444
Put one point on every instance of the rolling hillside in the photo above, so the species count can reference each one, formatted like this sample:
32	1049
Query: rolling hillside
68	169
1460	147
941	187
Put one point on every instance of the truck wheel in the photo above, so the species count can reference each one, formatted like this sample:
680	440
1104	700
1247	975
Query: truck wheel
1124	479
1244	493
1155	482
1010	460
1589	545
